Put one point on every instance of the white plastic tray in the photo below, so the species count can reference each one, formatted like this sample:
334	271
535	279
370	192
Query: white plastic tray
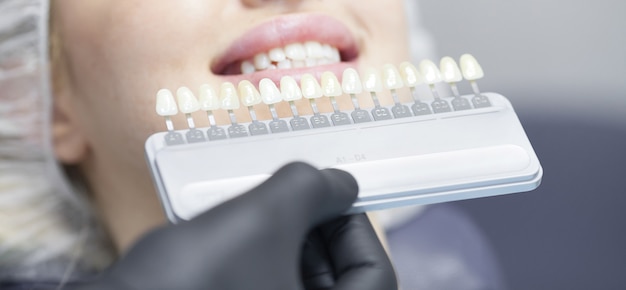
416	160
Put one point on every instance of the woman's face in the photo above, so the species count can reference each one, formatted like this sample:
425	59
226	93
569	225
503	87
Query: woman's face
113	56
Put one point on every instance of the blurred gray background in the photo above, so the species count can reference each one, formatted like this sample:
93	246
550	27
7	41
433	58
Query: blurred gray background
567	56
563	66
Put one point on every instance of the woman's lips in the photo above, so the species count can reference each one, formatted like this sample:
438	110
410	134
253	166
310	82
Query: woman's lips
283	31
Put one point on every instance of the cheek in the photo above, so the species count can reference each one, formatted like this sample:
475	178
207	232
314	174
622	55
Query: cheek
117	62
387	30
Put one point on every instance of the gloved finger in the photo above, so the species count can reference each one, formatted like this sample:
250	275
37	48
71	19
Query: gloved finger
359	259
297	197
316	271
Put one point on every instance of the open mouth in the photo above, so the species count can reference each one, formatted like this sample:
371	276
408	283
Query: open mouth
290	44
295	55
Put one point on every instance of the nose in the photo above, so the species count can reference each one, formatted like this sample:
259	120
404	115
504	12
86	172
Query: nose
258	3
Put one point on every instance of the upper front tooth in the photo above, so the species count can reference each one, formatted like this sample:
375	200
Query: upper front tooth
411	76
470	67
330	85
392	77
314	49
187	102
430	71
269	92
165	104
295	51
450	70
289	88
208	98
351	82
248	94
372	81
228	96
310	87
277	54
262	61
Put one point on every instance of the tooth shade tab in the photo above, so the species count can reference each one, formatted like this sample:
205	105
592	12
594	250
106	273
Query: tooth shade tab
471	69
208	98
372	81
269	92
351	82
310	87
330	85
228	97
289	89
249	94
411	76
430	71
392	78
450	71
165	103
187	102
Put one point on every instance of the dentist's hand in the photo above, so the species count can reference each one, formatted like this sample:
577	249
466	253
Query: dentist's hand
288	233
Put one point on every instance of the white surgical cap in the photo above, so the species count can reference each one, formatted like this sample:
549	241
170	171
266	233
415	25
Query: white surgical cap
41	221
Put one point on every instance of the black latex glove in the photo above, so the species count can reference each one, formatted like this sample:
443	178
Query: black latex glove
263	240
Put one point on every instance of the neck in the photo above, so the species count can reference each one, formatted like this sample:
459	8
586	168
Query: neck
126	201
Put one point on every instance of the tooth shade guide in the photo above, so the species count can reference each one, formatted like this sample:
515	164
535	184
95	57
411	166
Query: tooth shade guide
444	138
389	97
475	87
470	68
187	104
392	80
471	71
454	89
166	107
331	88
451	73
169	124
311	90
190	122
